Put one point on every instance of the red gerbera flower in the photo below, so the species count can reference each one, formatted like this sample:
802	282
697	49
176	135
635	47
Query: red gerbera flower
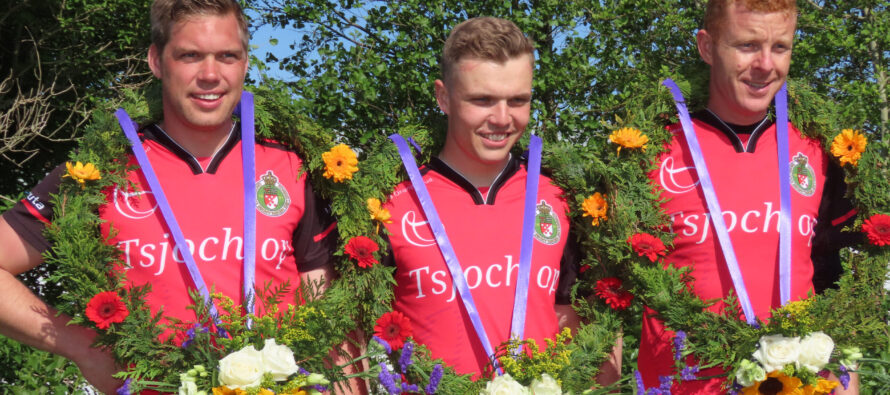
609	289
877	228
106	308
362	250
647	245
393	327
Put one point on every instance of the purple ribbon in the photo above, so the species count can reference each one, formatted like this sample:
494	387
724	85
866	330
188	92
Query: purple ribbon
714	206
457	277
247	136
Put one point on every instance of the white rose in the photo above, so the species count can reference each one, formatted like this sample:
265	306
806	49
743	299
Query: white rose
776	351
546	386
504	385
241	369
278	360
815	351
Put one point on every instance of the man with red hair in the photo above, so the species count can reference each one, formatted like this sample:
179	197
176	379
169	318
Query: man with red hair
748	46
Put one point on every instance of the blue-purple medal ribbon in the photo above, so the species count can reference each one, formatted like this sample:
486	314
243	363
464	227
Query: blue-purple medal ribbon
247	135
447	250
720	229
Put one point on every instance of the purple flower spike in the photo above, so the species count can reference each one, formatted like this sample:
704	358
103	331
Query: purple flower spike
688	373
435	377
387	380
409	387
125	389
405	359
679	345
383	343
844	377
641	388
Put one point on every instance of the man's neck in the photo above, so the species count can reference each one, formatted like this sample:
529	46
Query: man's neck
481	175
200	143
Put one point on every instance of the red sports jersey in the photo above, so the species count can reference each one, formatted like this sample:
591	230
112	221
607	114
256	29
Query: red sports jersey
206	197
485	233
746	183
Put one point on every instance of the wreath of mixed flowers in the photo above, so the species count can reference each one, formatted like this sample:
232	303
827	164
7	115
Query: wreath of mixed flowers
615	217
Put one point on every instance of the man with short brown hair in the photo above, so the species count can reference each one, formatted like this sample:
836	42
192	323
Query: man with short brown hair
478	188
200	55
748	46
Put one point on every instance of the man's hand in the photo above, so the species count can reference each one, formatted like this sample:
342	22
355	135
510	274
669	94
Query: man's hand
98	366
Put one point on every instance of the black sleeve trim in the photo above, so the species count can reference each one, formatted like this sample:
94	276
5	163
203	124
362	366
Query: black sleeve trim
28	215
835	212
569	268
314	239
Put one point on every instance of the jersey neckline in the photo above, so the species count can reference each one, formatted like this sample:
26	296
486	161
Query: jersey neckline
439	166
157	134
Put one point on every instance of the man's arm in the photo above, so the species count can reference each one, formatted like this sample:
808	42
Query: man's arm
27	319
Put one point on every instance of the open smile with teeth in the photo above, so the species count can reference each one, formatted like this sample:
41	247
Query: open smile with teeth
208	96
756	85
496	136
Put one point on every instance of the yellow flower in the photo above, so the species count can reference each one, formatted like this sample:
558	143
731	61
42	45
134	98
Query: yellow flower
629	138
595	207
223	390
82	172
340	162
848	146
379	214
822	387
776	383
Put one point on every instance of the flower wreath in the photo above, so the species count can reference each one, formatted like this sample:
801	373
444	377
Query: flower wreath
629	236
201	357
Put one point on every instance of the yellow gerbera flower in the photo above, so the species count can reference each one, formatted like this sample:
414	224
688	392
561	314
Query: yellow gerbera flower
82	172
849	146
340	162
629	138
223	390
379	214
776	383
595	207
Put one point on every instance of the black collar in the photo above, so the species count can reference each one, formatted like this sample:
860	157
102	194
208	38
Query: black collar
732	131
156	133
446	171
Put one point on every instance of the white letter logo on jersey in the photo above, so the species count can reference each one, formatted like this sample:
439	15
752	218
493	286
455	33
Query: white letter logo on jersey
676	181
133	205
410	226
271	197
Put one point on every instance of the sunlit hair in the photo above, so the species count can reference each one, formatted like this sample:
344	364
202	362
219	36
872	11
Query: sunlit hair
715	12
484	38
166	13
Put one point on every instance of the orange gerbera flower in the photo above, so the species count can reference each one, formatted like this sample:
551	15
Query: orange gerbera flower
340	162
82	172
849	146
595	207
629	138
822	387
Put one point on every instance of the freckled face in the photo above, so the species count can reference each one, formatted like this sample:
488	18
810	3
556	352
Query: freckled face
488	106
202	69
749	56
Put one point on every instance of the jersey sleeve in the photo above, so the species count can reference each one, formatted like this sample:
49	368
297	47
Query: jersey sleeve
836	211
30	216
569	266
315	238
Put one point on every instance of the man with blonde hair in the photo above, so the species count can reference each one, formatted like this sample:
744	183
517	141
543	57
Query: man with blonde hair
459	288
748	46
199	52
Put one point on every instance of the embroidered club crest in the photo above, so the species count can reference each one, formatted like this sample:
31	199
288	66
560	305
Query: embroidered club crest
803	178
547	229
271	197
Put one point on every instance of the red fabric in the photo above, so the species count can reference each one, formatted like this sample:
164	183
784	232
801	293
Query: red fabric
486	239
747	188
209	209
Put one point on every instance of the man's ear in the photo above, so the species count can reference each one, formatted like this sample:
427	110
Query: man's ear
154	61
442	96
705	43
